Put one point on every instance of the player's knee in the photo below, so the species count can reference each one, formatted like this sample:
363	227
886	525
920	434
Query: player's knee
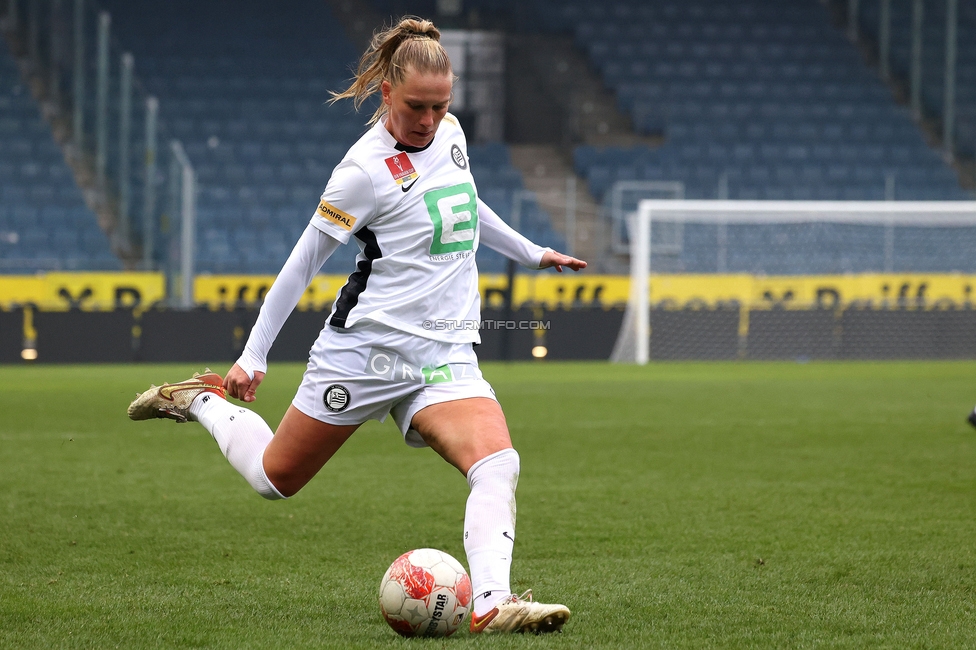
285	484
285	492
266	484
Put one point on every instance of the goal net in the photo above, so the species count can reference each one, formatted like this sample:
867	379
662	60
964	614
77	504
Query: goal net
785	238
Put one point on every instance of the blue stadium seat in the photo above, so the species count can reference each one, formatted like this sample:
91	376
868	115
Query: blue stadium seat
783	106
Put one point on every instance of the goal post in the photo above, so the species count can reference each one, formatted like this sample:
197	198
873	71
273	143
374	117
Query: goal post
788	238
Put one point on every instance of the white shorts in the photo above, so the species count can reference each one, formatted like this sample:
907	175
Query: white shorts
369	370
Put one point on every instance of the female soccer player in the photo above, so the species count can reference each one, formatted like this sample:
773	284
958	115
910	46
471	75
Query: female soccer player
400	333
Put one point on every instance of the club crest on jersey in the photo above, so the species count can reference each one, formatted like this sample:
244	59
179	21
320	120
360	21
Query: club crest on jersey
458	157
401	168
336	398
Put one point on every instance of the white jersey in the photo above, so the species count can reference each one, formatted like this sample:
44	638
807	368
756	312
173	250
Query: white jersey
418	222
414	214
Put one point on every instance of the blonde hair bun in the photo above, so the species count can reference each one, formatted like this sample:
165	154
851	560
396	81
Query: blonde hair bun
412	44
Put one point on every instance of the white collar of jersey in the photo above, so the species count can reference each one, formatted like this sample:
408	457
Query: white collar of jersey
393	143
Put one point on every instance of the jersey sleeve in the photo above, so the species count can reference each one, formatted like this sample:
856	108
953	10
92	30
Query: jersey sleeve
308	256
347	204
499	236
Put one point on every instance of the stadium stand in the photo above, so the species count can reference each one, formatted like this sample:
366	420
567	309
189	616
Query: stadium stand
751	100
249	105
769	96
933	58
44	222
754	100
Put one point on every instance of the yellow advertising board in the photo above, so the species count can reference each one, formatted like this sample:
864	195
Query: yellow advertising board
104	291
829	291
87	291
225	291
756	292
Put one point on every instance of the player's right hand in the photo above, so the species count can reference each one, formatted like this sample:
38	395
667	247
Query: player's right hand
239	386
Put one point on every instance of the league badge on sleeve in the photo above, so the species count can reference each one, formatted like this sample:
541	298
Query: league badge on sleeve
402	169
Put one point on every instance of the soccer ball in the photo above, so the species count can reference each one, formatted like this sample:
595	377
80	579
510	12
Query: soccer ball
425	592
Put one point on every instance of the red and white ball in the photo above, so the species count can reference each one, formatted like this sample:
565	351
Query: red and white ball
425	592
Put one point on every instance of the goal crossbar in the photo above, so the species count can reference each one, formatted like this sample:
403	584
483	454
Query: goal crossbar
934	213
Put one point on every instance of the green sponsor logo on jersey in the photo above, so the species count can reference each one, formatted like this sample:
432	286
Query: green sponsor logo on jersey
454	211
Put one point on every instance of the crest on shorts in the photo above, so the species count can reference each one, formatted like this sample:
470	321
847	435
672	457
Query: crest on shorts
336	398
458	157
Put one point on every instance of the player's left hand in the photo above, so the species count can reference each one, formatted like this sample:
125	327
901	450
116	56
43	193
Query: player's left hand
558	260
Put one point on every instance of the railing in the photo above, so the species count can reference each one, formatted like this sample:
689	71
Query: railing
950	47
621	202
182	192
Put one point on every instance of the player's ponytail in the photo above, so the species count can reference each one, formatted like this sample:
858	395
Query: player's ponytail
413	43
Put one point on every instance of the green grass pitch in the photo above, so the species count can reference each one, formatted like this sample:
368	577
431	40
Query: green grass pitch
675	505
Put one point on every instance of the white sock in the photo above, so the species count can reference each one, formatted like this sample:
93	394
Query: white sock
489	527
242	436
